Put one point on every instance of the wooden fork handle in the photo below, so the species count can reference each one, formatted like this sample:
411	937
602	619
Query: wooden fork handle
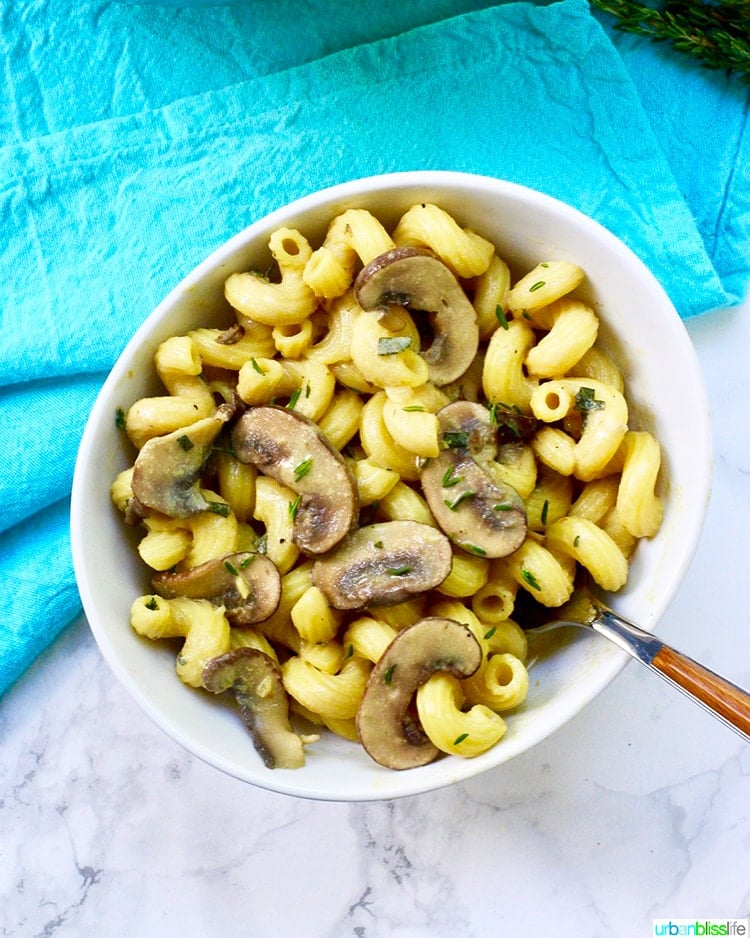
721	697
727	700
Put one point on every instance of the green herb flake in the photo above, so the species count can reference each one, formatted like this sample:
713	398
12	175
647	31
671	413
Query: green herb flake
185	442
449	479
388	676
302	468
475	549
152	603
399	571
528	577
256	366
456	439
294	507
349	651
293	399
392	345
459	739
246	561
463	497
501	317
219	508
537	286
586	401
230	568
378	544
413	409
489	633
120	418
502	506
576	540
545	512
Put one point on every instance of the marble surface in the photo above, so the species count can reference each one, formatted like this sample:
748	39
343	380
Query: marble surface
637	809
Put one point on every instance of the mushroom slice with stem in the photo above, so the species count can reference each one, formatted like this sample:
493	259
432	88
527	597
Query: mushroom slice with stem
383	564
255	681
291	449
388	731
247	584
477	513
167	470
416	279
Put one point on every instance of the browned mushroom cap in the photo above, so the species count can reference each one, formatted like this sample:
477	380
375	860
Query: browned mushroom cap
256	683
167	470
247	584
416	279
382	564
291	449
477	513
389	733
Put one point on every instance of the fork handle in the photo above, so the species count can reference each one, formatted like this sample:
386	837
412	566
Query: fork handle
721	697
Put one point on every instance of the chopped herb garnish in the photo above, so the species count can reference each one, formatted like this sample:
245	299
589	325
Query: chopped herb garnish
349	651
544	264
456	439
586	401
576	540
449	479
529	578
501	317
502	506
388	676
475	549
185	442
230	568
302	468
294	507
294	398
152	603
413	408
459	739
399	571
392	345
120	418
256	366
545	511
308	390
246	561
378	544
219	508
489	633
464	496
537	286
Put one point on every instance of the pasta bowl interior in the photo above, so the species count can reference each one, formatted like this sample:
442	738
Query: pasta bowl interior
637	328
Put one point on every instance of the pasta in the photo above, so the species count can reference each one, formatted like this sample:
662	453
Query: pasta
535	422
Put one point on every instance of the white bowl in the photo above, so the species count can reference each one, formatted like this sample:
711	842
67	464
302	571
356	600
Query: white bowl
639	326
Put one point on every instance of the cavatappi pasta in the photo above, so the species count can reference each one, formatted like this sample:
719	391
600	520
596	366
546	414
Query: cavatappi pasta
380	412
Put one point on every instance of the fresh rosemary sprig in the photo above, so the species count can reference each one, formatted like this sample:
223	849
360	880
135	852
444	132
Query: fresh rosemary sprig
716	33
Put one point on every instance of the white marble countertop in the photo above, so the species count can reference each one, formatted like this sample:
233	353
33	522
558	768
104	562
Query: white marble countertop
637	809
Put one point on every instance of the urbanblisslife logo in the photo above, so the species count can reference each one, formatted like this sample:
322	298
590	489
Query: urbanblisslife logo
701	927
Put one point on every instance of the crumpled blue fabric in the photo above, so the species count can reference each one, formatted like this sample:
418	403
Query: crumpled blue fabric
137	138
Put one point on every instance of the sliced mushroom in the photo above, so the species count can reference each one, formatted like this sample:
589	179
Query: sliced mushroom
468	428
247	584
255	681
387	730
476	512
472	508
382	564
167	470
291	449
416	279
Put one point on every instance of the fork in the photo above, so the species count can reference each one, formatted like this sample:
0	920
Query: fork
720	697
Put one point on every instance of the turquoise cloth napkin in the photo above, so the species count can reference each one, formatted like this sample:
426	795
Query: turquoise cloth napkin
138	138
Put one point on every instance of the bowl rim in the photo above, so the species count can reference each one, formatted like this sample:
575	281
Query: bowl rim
612	660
